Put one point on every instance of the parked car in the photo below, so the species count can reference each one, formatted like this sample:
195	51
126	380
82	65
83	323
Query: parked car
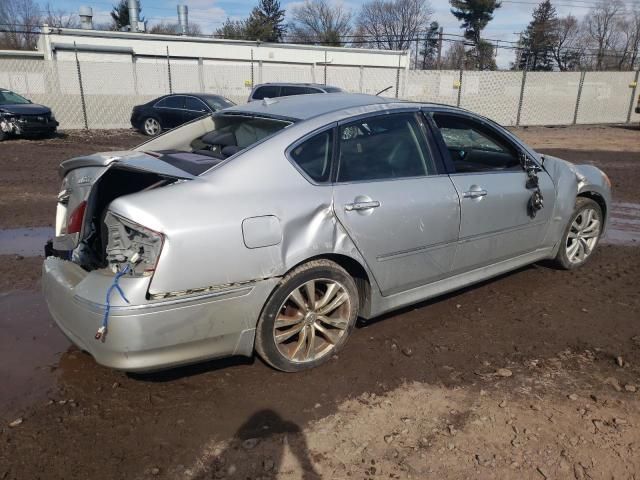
170	111
271	226
274	90
21	117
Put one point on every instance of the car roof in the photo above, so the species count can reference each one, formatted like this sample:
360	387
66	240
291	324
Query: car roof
295	84
302	107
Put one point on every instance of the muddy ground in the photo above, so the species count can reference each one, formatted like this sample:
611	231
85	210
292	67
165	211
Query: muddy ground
535	374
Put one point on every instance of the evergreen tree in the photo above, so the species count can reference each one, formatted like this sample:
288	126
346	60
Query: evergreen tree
266	22
429	48
120	14
475	15
539	39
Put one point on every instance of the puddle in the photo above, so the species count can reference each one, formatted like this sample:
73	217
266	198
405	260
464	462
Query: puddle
27	242
624	224
30	347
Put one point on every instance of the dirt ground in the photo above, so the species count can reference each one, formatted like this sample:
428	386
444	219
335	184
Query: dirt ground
535	374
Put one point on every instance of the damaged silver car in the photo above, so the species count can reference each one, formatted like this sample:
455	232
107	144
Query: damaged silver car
270	227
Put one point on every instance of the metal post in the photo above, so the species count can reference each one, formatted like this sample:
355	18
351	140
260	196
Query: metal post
313	72
325	67
259	71
398	76
134	65
201	73
438	64
361	82
252	83
84	105
169	70
459	87
633	95
521	100
415	67
575	112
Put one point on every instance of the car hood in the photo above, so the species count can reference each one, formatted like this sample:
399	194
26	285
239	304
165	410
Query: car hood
133	160
25	109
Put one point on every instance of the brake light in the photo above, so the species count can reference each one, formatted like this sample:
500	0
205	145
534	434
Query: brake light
74	224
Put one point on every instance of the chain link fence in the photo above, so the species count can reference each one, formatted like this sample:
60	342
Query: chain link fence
101	95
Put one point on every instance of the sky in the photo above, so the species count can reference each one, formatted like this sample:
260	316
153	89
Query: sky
511	18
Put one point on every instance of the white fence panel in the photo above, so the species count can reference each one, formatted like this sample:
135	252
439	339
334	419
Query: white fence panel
493	94
550	98
605	97
229	79
438	86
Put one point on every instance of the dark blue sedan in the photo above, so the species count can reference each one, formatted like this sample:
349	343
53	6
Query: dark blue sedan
173	110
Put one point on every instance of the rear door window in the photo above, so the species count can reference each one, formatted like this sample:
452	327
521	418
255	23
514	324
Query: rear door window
288	90
176	101
384	147
268	91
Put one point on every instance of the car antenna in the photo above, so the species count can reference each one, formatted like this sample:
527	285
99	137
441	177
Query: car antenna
382	91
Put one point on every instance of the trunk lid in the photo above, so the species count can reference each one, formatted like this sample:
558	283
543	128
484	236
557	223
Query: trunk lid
81	175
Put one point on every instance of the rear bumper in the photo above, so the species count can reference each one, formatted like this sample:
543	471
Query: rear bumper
151	335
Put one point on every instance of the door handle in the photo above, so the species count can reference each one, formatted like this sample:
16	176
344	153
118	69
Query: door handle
475	194
349	207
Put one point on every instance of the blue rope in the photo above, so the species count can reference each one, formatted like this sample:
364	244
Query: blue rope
102	331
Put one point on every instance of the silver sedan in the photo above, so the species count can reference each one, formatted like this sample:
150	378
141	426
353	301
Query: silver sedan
270	227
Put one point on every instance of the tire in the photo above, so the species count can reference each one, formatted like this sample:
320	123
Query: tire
318	332
585	235
151	126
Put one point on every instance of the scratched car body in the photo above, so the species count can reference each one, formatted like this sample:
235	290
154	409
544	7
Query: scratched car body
270	227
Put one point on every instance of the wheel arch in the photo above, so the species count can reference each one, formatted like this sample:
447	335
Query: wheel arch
358	272
599	199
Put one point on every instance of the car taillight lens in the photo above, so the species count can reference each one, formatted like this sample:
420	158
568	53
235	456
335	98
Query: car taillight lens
131	244
74	224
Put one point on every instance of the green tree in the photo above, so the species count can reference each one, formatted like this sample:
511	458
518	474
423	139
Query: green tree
120	15
429	48
232	29
539	39
266	22
474	16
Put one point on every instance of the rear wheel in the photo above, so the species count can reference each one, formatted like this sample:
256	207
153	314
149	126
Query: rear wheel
582	234
151	126
308	318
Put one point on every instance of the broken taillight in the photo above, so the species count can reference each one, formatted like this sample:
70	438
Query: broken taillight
74	224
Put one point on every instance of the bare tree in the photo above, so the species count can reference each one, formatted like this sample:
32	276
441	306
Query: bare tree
454	57
21	20
393	24
172	28
321	22
600	28
568	50
60	18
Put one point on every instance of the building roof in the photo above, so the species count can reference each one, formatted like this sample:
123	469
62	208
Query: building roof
302	107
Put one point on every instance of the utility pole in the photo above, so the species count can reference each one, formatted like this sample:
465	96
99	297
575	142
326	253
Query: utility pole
439	64
519	50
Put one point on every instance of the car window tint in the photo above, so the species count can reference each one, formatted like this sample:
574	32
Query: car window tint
195	104
268	91
313	156
332	89
384	147
176	101
293	90
474	147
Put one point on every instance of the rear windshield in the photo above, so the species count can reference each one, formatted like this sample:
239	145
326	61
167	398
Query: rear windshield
10	98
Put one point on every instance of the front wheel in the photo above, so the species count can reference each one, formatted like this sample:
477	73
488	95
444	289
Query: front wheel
151	126
582	234
308	318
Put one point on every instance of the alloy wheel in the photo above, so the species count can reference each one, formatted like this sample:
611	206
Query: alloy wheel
312	320
151	126
583	235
